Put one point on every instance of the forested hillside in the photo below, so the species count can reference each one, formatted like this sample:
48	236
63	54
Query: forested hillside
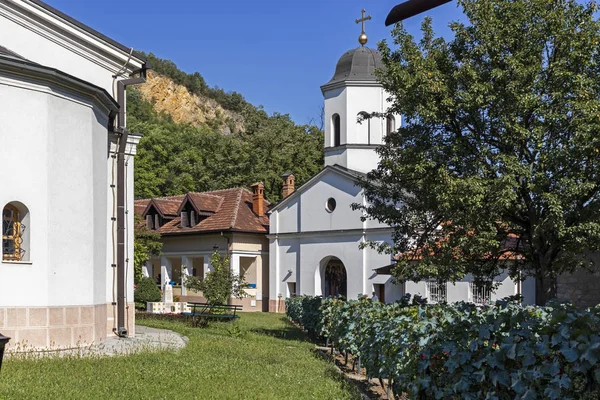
198	138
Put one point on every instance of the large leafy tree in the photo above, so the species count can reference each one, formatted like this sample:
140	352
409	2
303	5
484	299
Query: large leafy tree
496	164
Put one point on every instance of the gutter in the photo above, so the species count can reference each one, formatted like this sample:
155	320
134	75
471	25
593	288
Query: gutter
122	132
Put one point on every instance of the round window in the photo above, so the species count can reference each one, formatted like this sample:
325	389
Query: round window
330	205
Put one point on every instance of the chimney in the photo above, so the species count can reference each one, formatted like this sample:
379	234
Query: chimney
184	219
258	199
288	184
149	221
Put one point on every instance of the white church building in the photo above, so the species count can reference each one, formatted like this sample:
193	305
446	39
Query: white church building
66	167
315	236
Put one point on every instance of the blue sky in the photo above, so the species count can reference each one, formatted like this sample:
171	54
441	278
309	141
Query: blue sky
275	52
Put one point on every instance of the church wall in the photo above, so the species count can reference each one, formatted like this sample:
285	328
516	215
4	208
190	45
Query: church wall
336	155
335	103
23	173
75	164
289	223
362	160
369	100
56	166
283	258
314	256
314	215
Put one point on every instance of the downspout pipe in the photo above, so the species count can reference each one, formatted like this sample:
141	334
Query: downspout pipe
121	206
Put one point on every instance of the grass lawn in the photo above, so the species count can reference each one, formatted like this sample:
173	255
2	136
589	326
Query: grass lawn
260	356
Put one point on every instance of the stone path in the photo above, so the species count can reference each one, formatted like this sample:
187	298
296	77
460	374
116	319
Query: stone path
146	339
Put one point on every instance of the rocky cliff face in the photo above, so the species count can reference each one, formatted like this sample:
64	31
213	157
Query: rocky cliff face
185	107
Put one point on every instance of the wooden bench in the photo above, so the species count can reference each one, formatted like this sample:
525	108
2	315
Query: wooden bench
211	311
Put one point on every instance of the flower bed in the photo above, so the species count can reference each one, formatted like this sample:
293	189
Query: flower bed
445	351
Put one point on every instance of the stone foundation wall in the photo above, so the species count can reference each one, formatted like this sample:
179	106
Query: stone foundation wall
32	328
582	288
129	319
277	306
36	328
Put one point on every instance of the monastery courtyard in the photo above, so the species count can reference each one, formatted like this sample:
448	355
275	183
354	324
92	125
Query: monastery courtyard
233	360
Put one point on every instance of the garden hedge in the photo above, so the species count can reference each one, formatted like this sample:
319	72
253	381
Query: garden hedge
461	351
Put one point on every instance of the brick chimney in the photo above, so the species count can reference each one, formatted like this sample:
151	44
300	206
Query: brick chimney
258	199
288	184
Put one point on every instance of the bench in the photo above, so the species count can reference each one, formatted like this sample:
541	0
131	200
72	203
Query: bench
212	311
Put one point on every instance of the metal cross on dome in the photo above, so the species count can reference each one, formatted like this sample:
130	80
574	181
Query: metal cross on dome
362	39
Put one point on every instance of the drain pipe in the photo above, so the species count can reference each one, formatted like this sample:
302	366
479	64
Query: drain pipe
121	130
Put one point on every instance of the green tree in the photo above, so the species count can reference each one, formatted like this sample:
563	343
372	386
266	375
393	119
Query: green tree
145	244
499	140
220	284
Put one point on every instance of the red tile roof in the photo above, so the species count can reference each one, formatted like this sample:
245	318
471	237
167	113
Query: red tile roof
218	210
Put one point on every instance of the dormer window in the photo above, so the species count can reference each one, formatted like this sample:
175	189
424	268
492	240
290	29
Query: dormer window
149	222
189	217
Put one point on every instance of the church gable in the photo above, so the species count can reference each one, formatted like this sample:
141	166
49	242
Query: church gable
322	204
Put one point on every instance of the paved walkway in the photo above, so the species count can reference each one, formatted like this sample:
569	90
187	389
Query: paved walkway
146	339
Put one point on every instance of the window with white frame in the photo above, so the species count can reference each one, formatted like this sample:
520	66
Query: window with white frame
480	292
437	292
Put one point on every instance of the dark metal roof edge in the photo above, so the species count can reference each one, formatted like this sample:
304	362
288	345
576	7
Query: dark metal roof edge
55	74
410	8
88	29
352	146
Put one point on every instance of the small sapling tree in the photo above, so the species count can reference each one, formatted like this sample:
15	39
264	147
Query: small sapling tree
220	284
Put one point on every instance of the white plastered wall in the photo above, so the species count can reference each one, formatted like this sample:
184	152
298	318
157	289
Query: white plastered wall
55	165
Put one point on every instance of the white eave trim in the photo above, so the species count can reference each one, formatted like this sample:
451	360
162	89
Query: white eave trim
46	24
343	84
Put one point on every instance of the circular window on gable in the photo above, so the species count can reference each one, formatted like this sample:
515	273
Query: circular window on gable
330	205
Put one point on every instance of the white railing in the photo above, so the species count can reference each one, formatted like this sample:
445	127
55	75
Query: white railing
437	292
480	293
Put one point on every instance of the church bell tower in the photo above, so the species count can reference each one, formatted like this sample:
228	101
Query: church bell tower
352	96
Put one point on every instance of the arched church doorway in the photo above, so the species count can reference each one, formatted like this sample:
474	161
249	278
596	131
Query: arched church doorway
336	279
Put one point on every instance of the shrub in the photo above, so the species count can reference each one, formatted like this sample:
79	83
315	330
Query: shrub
146	291
456	351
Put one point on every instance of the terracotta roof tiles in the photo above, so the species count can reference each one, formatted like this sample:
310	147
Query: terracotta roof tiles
218	210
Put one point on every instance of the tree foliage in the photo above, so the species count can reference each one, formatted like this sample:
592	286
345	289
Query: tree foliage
220	284
177	158
146	291
499	140
145	244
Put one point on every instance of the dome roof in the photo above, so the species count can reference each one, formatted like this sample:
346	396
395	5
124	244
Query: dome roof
357	65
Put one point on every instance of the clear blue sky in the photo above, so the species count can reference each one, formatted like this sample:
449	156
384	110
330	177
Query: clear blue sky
275	52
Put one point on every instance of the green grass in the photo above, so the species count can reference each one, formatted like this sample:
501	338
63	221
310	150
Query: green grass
260	356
